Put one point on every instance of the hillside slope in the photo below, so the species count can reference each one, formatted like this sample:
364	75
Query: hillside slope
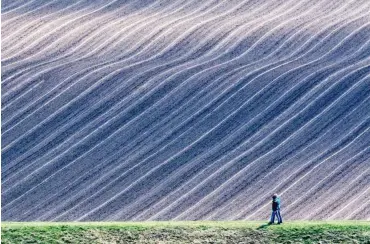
185	110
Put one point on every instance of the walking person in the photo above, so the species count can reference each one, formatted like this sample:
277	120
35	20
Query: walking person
275	210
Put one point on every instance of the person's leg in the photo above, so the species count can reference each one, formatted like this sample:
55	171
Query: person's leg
272	219
280	220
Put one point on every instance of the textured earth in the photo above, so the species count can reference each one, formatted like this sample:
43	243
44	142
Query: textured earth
185	110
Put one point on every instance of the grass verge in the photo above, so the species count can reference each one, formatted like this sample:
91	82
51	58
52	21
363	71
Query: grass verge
186	232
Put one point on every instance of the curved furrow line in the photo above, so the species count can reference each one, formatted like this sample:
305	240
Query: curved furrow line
6	7
300	156
158	110
57	88
152	9
111	24
25	35
60	38
346	188
104	166
30	4
126	31
361	194
69	43
337	195
92	173
97	8
207	3
240	160
322	157
190	218
317	174
54	18
22	21
356	197
261	208
343	179
360	209
165	215
251	142
97	122
337	148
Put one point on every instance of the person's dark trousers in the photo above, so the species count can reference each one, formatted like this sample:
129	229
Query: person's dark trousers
277	213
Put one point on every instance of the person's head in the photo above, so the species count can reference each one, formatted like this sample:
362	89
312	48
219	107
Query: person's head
274	196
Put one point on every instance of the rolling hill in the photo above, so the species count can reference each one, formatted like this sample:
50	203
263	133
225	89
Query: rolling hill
185	110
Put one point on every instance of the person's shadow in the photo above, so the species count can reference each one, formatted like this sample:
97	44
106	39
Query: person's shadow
264	226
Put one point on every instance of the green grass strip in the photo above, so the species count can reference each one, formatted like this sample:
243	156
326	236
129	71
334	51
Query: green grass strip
186	232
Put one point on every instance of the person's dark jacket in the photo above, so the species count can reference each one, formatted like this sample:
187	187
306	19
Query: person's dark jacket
275	204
